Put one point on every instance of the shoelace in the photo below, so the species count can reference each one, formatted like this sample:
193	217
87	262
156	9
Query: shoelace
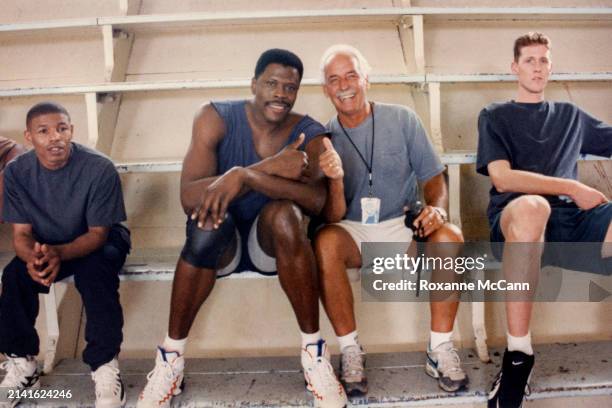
352	362
448	360
159	381
326	373
14	372
107	380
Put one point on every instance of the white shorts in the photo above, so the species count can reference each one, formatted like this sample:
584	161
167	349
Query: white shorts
392	230
262	261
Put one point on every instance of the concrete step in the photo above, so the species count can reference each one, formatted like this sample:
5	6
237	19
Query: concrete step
571	374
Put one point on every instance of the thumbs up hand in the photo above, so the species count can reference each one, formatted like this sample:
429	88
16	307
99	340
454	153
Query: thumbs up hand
290	162
330	162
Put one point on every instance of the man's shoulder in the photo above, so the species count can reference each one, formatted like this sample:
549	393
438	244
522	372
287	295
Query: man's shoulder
225	107
393	111
392	108
498	108
304	121
563	106
22	163
92	159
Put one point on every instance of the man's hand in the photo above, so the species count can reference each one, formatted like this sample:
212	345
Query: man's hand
45	264
587	197
429	221
217	197
52	259
289	163
330	162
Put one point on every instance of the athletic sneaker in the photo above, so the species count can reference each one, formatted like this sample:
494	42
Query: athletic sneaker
320	377
512	382
21	373
352	373
110	392
164	381
443	363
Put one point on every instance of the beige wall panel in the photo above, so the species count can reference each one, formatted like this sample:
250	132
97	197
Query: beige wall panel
62	57
154	211
512	3
13	113
266	326
162	6
23	11
486	47
462	103
158	124
231	52
558	321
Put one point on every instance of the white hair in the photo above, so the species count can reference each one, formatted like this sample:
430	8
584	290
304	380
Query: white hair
362	65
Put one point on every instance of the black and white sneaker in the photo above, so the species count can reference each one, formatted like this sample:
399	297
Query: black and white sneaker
512	382
21	374
443	363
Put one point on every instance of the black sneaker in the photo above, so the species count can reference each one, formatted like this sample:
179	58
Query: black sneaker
511	384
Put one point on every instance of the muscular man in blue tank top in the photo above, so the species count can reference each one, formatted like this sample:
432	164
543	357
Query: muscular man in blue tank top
250	180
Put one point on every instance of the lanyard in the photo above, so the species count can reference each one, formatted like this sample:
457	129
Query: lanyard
371	165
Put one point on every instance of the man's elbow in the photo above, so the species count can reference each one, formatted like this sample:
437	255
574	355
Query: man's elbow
334	218
318	204
500	183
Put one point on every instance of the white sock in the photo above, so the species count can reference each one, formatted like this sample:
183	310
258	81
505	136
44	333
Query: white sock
348	340
310	338
437	338
522	343
171	344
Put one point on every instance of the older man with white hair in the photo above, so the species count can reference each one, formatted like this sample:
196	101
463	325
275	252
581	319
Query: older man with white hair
377	156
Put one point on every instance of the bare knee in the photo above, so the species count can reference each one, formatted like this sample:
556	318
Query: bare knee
284	220
525	218
447	233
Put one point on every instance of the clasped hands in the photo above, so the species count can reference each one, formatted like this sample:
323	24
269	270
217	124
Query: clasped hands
44	264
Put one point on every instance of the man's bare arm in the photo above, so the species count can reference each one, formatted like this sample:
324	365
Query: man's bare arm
23	242
434	214
200	163
435	191
14	152
505	179
330	163
83	245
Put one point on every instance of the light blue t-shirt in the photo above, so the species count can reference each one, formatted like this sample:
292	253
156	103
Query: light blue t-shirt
402	155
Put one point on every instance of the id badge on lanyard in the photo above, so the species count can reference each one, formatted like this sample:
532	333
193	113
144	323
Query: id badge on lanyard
370	210
370	206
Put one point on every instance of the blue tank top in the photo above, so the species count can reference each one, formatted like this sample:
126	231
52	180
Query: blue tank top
237	149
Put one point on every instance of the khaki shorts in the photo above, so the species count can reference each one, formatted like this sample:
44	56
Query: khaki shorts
392	230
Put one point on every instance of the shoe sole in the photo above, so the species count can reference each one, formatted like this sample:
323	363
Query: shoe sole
434	373
177	391
310	390
355	389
